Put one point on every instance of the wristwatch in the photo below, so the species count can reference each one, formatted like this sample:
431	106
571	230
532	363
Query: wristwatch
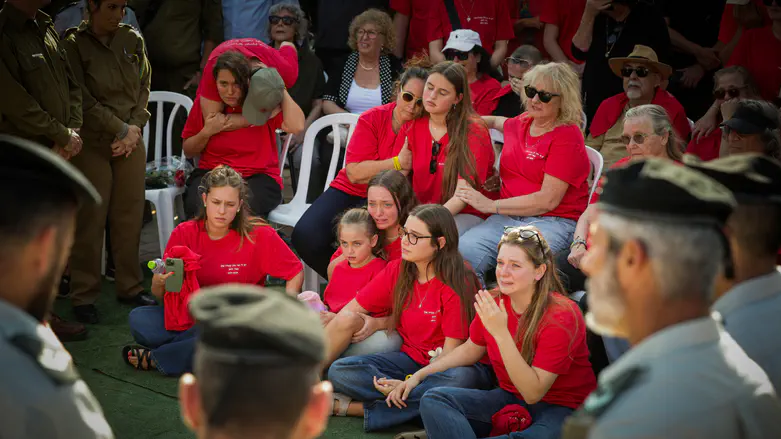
576	242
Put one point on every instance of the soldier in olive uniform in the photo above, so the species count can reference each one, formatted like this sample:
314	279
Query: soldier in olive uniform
42	394
656	248
109	60
257	362
41	100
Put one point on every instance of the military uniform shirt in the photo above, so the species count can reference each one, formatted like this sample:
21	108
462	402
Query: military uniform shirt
689	381
40	96
751	313
74	14
115	79
41	394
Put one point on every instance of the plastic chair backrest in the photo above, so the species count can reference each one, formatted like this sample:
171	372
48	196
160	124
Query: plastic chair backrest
339	119
597	162
333	121
282	149
163	97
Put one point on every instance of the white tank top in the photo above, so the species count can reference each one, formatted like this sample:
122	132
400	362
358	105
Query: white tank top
360	99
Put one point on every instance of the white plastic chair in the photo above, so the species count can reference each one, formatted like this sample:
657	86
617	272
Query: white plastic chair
282	149
288	214
597	162
164	199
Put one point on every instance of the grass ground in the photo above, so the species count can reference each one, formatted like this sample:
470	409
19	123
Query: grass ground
142	404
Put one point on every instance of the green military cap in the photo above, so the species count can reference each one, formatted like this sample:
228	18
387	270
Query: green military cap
243	323
266	90
752	178
662	190
22	160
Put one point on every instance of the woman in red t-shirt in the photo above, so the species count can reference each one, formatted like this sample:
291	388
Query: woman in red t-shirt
450	145
227	245
427	298
536	340
221	139
544	168
372	148
464	47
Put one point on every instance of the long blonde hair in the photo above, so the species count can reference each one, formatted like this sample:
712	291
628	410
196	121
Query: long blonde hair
558	78
539	253
244	222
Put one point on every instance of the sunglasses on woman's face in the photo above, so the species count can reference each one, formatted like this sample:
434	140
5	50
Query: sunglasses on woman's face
721	93
287	21
637	138
409	97
642	72
453	55
545	96
432	165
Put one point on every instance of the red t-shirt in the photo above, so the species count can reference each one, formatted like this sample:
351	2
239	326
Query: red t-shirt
759	51
284	60
250	151
392	251
346	281
708	147
729	26
428	186
560	153
565	14
485	96
560	349
373	139
432	313
422	20
223	261
489	18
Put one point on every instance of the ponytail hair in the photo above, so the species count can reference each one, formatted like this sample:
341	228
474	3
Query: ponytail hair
359	216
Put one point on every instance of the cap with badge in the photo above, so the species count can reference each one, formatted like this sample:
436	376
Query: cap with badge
266	90
752	178
247	324
26	161
462	40
752	117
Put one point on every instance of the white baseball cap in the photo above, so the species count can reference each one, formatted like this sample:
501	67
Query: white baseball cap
463	40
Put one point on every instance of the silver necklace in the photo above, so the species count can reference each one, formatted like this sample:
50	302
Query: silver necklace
469	15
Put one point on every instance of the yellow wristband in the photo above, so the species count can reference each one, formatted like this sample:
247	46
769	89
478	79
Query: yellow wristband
396	163
407	377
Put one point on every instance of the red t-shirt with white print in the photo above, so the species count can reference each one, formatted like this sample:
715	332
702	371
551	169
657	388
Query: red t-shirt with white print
346	281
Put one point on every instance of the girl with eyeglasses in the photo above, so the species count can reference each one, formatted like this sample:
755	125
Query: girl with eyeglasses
450	145
536	341
543	169
427	297
373	148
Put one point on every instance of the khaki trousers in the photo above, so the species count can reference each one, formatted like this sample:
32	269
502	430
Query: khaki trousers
120	182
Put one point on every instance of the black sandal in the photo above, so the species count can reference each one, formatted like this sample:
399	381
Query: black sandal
144	357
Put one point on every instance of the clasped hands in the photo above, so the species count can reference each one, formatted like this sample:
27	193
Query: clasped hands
474	198
127	144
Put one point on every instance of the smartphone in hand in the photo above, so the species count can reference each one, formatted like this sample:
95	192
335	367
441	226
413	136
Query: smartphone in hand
173	284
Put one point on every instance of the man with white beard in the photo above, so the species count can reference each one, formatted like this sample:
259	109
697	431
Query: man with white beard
643	77
656	248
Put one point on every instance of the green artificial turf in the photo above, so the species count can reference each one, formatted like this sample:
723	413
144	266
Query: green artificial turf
143	404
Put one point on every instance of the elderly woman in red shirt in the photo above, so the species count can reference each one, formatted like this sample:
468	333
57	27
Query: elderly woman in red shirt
544	168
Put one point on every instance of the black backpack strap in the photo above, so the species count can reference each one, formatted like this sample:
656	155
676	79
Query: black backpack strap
452	13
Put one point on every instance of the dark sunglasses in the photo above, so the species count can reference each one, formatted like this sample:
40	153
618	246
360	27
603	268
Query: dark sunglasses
733	93
642	72
517	61
409	97
288	21
770	2
638	138
452	55
524	232
545	96
432	165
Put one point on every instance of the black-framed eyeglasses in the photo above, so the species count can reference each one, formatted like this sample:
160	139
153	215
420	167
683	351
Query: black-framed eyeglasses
641	71
545	96
287	21
770	2
524	232
452	55
637	138
432	165
411	237
409	97
523	63
721	93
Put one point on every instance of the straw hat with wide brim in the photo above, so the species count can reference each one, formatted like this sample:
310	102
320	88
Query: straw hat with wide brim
642	55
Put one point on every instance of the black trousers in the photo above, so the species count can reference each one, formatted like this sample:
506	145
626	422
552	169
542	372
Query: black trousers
572	278
314	237
264	194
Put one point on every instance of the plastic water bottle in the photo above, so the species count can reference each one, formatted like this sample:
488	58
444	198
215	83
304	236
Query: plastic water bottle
157	266
313	300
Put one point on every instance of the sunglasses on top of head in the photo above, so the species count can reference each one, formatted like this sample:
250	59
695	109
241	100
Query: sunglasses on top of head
453	55
409	97
517	61
642	72
545	96
524	233
287	21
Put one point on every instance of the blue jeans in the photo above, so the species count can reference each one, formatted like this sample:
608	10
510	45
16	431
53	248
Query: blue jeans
353	376
466	413
478	245
171	350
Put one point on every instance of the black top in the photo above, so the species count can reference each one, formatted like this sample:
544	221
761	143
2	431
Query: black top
698	21
645	25
311	80
334	17
509	105
341	77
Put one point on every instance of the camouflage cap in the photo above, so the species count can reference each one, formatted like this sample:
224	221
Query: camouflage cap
752	178
242	323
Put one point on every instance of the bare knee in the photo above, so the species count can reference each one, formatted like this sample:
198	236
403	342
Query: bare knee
346	322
